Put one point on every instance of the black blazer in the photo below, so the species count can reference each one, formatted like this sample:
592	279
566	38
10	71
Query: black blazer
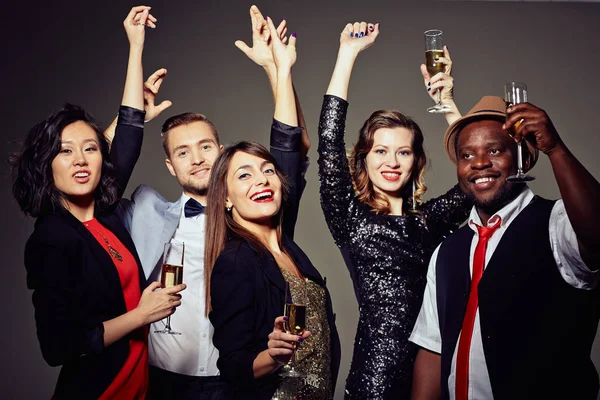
247	294
75	288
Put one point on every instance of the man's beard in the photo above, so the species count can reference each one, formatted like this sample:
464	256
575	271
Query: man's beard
198	190
507	193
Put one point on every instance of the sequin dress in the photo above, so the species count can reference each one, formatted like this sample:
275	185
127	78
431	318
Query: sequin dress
313	359
387	258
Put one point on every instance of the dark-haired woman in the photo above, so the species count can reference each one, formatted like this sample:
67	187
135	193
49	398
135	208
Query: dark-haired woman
250	259
373	208
90	309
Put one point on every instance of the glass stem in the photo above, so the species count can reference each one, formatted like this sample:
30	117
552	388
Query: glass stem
439	95
519	159
168	327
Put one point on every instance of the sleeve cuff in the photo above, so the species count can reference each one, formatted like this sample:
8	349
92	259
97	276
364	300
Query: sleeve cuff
131	116
332	97
285	137
95	339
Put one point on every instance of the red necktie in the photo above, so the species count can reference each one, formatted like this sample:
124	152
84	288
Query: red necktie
464	344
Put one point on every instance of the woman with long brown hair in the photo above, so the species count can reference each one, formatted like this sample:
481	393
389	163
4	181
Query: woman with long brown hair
252	260
372	205
249	260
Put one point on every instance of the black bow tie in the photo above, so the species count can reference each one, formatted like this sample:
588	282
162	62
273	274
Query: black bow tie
193	208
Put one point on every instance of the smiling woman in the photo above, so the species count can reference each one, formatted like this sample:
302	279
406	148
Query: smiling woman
250	260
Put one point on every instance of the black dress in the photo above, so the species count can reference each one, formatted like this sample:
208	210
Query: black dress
387	258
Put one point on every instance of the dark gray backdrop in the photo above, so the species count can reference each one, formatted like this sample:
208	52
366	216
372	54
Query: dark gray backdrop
76	51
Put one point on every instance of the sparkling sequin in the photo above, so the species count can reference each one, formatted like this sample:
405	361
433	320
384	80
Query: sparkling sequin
387	256
313	359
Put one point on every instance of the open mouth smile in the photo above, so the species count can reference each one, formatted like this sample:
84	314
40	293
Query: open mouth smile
263	196
392	176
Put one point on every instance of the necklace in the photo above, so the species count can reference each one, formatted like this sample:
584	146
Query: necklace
111	250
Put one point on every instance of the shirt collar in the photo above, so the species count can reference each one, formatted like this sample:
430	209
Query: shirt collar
183	199
508	213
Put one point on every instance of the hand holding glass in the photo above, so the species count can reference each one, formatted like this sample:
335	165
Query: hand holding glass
434	49
295	311
515	93
172	274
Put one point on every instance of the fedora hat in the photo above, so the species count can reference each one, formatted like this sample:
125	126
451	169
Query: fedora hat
489	107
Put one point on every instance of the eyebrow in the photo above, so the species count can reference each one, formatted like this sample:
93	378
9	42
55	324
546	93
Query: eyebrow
182	146
68	141
487	144
248	166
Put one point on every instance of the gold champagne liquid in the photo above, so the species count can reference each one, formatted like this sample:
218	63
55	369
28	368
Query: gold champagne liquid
513	129
296	322
433	67
172	275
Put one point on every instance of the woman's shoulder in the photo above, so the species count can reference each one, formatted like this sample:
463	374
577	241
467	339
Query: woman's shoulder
54	229
237	253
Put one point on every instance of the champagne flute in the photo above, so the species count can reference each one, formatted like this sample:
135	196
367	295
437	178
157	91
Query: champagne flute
295	311
515	93
172	274
434	48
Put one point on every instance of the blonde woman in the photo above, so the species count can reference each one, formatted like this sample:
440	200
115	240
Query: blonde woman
373	208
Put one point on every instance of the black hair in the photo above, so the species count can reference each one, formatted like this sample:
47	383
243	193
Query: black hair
33	183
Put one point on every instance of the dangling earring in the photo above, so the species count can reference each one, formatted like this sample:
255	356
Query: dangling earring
228	209
414	203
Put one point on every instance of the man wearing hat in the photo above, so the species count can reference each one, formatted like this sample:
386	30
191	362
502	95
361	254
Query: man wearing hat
524	328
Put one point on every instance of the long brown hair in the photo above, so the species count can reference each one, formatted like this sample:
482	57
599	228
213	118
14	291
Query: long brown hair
358	165
219	221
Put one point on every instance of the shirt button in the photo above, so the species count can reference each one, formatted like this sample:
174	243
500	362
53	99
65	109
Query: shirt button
201	369
204	335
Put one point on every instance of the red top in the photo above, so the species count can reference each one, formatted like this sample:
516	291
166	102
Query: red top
132	381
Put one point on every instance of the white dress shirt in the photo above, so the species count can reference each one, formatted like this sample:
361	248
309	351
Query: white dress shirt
192	352
565	249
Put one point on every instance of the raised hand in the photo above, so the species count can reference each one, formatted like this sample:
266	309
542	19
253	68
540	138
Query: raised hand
260	52
284	54
358	36
151	88
354	38
533	124
441	80
138	18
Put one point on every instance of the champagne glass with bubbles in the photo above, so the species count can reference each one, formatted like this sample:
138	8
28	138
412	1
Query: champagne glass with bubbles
172	275
515	93
434	49
295	311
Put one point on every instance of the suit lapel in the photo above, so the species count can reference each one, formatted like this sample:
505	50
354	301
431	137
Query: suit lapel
271	269
302	261
103	259
115	226
170	221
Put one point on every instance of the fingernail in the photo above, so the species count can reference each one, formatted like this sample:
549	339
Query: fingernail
362	34
285	318
436	59
294	34
356	35
300	339
428	89
351	35
428	83
371	28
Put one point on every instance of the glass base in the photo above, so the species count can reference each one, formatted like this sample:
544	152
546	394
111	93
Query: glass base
520	177
439	109
290	372
168	332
